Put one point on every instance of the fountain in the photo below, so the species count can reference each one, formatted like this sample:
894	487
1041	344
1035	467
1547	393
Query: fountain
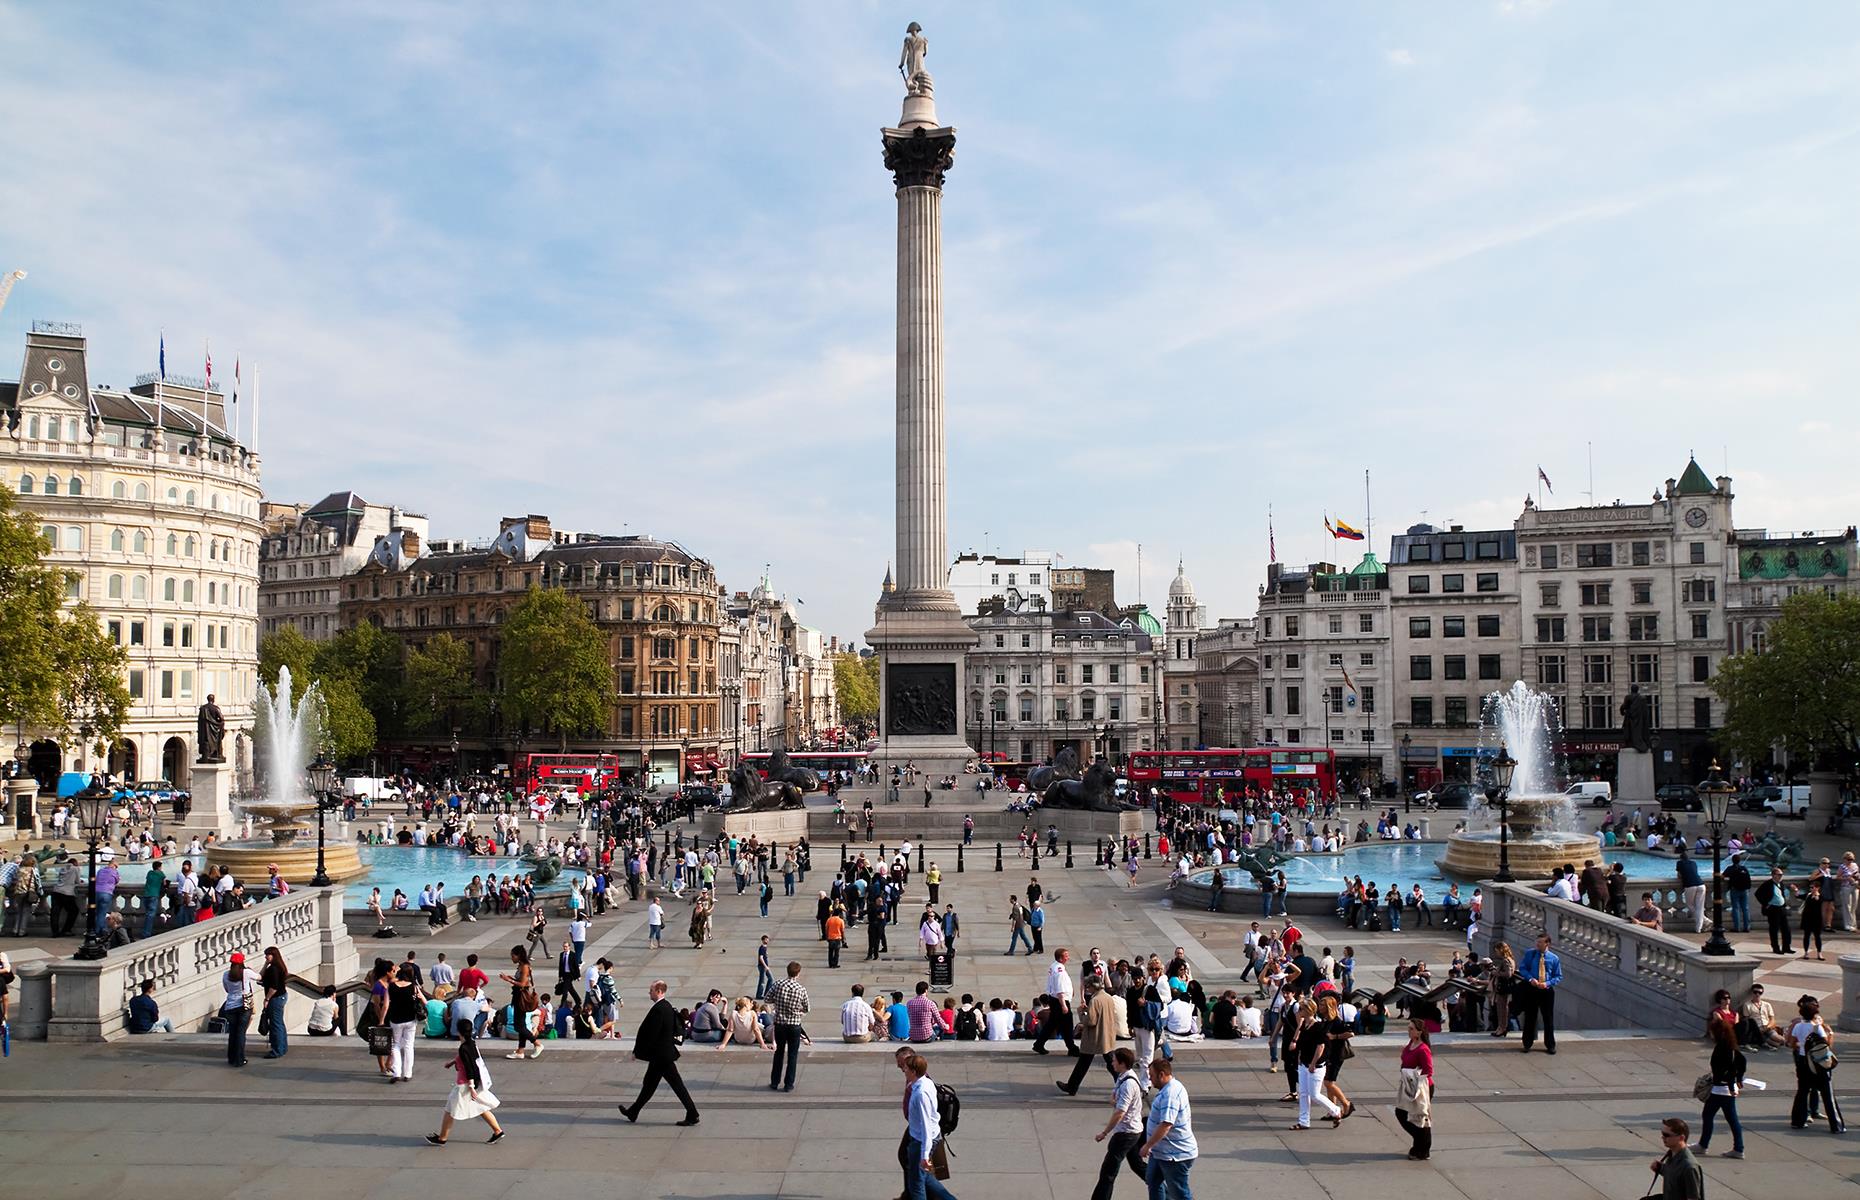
1541	820
287	734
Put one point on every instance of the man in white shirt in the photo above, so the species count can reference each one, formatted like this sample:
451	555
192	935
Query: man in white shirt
856	1017
922	1131
1125	1127
1059	987
655	925
1180	1018
998	1025
1252	1020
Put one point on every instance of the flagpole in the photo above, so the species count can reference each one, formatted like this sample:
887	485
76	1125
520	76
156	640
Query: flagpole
1369	520
161	376
255	408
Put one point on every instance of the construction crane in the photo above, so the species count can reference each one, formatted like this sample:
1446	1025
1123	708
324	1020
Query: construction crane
6	285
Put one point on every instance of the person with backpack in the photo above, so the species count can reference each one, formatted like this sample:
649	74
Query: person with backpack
1812	1044
1125	1128
968	1026
930	1115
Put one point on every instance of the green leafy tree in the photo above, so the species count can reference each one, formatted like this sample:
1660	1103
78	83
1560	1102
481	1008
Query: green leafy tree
287	647
556	670
61	674
1801	693
347	721
371	661
441	689
855	683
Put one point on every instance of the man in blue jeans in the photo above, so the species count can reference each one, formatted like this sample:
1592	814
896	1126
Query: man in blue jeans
788	999
922	1131
1170	1148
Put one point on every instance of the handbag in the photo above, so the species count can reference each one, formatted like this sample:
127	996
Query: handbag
1701	1088
380	1040
939	1160
1820	1055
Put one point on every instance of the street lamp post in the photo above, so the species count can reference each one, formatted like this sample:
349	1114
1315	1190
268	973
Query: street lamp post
93	805
1401	768
1502	767
323	783
1717	792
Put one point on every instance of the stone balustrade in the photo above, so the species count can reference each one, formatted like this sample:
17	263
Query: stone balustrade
1615	974
74	1000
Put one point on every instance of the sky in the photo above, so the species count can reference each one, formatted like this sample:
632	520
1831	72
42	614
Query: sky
632	266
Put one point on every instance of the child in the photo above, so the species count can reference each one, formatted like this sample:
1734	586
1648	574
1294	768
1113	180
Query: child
471	1096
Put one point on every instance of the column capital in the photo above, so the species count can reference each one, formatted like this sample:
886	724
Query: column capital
919	157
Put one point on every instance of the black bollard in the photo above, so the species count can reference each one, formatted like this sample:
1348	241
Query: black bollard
1099	860
1146	845
920	854
997	856
958	858
1068	854
882	856
842	854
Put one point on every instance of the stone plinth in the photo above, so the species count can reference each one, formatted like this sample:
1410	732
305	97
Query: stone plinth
1634	776
209	789
22	800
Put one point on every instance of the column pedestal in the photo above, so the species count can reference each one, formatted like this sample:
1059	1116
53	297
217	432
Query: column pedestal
922	657
1634	776
210	790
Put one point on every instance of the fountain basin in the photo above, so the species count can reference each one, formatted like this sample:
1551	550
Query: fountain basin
249	859
1536	848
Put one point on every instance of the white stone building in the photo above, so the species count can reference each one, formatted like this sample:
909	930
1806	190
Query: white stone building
1184	726
1017	584
1454	630
307	550
152	501
1227	682
1041	681
1324	666
786	687
1616	596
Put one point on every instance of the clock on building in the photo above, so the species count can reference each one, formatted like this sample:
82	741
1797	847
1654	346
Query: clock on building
1696	517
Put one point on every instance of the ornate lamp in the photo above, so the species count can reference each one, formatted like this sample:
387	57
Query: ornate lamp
1502	768
323	782
1716	791
93	809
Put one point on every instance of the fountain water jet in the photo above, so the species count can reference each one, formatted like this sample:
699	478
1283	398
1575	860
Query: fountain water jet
1540	819
287	734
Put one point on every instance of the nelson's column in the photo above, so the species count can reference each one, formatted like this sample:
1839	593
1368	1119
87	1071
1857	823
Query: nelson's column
921	638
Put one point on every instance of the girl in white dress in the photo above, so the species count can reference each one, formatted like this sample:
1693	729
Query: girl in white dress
471	1095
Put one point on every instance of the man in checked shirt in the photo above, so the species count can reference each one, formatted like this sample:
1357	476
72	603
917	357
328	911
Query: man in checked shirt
789	1000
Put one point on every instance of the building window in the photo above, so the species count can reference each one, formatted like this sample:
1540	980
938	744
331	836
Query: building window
1334	697
1701	625
1268	694
1291	662
1291	627
1595	554
1059	673
1595	595
167	685
135	685
1420	627
1550	594
1365	623
1642	591
1143	674
1701	713
1026	641
1366	659
1488	626
1291	701
1486	581
1420	552
1597	712
1113	673
1369	700
1419	585
1698	552
1644	627
1550	629
1642	668
1420	666
1701	668
1638	552
1336	660
1453	666
1420	710
1551	671
1597	629
1488	666
1698	591
1086	672
1453	627
1455	713
1453	583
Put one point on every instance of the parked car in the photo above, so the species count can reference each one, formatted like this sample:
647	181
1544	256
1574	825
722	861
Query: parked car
1596	792
1679	795
1457	795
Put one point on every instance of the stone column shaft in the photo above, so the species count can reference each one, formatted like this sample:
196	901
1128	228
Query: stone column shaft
921	502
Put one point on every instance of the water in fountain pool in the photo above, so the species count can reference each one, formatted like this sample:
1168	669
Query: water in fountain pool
408	868
1409	863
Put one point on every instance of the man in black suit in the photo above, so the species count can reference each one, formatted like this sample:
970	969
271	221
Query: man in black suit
656	1045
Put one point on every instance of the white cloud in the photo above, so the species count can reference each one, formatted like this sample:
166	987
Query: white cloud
1399	57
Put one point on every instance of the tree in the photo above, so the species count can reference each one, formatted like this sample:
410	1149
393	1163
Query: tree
441	689
855	684
62	675
1801	693
556	669
371	661
287	647
347	721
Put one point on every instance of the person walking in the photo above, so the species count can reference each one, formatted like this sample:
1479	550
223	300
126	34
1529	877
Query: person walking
1539	973
926	1161
930	933
275	979
1692	887
523	1002
655	924
236	1009
1097	1035
1059	1022
1414	1095
1171	1149
1812	1044
1017	926
1125	1128
1340	1033
656	1045
788	1000
1312	1043
1813	918
835	927
1727	1075
765	979
1680	1176
471	1094
406	1012
933	881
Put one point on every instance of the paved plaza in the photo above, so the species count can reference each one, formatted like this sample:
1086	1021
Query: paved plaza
163	1116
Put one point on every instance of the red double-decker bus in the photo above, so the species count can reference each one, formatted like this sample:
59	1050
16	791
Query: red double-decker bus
1199	776
578	772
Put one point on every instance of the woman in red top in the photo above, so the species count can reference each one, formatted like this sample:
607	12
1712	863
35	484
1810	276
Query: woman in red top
1414	1108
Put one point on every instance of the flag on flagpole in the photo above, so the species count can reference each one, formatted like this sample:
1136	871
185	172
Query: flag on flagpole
1272	541
1546	479
1348	682
235	398
1338	529
163	359
209	366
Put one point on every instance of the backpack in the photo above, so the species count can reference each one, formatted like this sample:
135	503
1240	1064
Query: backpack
948	1109
1820	1055
968	1025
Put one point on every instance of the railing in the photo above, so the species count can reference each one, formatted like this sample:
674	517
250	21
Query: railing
79	1000
1615	974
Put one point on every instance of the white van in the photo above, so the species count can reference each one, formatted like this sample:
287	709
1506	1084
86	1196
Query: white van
1596	792
1791	801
